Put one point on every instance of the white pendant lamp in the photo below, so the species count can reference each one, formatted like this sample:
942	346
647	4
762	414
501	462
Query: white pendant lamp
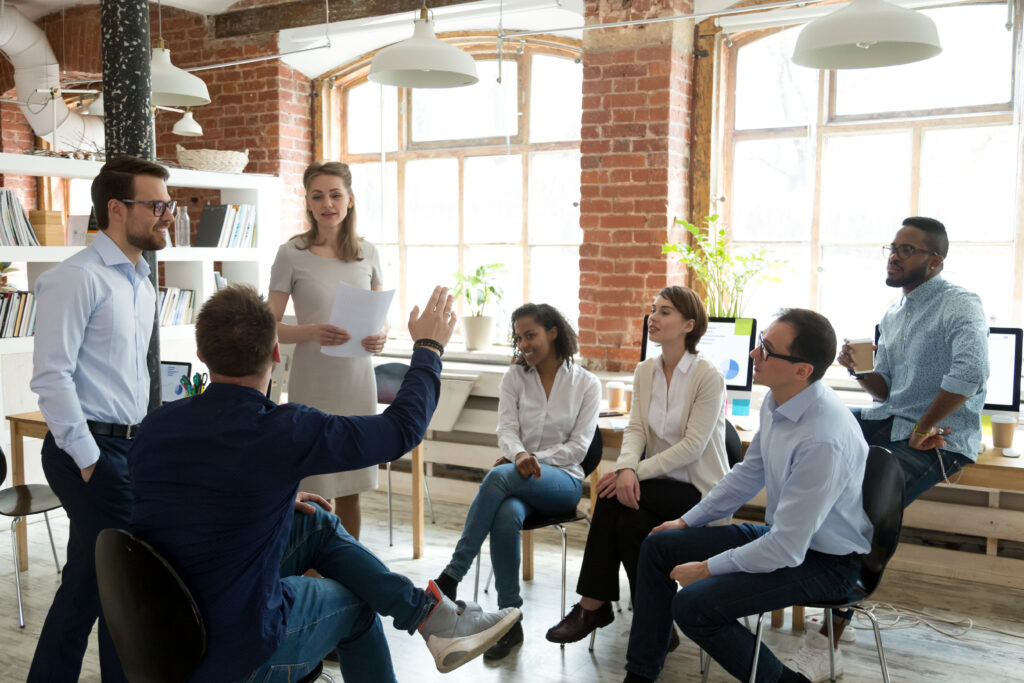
187	125
423	61
95	108
865	34
174	87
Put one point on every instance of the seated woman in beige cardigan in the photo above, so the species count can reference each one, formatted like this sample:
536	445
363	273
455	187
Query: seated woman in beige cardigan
673	452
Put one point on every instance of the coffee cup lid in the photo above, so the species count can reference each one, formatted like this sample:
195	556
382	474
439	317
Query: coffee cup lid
864	340
1004	419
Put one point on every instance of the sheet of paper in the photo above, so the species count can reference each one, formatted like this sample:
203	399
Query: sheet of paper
360	312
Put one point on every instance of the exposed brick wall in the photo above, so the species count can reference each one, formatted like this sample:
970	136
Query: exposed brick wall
16	135
263	107
634	176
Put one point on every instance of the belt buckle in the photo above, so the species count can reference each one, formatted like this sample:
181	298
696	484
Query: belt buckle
131	431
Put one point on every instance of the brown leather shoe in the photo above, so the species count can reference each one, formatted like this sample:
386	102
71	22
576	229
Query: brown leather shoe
578	624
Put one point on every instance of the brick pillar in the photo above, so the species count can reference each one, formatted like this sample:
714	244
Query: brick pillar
635	170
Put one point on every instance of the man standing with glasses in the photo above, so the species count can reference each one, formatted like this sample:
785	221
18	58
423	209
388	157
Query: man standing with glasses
95	320
809	456
928	382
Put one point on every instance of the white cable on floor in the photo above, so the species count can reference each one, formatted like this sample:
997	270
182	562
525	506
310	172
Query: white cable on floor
891	617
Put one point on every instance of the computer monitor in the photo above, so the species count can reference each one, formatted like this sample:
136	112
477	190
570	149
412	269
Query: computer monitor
1002	391
727	343
171	373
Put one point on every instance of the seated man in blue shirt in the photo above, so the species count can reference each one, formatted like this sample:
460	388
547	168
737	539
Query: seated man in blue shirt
215	483
809	456
928	382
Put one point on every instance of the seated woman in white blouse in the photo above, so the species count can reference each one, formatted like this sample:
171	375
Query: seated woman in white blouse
547	416
673	452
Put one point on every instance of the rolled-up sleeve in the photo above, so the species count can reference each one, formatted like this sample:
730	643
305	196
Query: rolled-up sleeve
967	334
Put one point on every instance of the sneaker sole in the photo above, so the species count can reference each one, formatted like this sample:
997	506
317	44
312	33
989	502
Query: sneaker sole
462	650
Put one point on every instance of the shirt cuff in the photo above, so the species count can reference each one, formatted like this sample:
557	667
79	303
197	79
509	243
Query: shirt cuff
959	386
722	563
84	451
692	517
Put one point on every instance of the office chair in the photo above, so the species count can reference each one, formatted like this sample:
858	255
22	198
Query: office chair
883	502
733	445
389	378
19	502
151	615
590	462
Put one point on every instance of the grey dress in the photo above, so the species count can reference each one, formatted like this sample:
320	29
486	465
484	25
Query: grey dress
340	386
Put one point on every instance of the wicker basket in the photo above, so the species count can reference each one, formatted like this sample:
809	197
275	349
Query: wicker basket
213	159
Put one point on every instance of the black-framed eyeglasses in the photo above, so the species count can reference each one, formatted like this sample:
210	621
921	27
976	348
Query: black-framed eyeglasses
159	208
766	353
904	250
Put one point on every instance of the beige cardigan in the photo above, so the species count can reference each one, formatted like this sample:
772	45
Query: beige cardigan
702	448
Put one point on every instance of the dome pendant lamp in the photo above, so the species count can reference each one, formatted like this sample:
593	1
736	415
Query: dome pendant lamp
423	61
866	34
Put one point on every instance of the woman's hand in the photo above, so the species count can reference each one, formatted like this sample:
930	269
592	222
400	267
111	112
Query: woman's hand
528	465
501	461
606	485
375	342
327	335
627	489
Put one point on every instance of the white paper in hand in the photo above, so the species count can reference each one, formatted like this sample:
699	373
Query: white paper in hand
360	312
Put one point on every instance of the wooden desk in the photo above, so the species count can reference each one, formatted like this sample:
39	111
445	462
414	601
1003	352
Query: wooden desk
22	425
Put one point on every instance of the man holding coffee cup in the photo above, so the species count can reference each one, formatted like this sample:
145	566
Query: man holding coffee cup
928	379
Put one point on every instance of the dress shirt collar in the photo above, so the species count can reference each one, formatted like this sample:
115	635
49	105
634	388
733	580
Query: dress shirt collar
682	367
113	256
925	290
794	408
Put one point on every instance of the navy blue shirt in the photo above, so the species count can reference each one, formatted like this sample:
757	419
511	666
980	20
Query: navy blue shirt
214	479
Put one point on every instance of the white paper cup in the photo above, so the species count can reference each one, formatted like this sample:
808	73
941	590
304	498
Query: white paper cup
863	353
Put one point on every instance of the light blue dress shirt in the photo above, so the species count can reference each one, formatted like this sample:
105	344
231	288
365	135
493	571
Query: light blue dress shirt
809	456
94	320
934	338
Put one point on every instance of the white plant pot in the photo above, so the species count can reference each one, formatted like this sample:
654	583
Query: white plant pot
478	331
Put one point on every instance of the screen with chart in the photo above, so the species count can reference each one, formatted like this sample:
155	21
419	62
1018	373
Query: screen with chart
728	343
1004	359
171	373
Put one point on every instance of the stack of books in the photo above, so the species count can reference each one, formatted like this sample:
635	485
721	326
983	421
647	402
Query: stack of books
17	314
226	225
15	230
176	306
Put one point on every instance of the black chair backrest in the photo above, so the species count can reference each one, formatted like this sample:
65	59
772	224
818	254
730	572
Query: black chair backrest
883	503
389	378
153	620
3	466
733	445
593	457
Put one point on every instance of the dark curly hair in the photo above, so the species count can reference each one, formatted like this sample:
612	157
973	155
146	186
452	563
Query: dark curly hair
566	343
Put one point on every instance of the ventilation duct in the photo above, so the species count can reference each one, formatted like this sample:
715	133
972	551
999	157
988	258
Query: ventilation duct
36	68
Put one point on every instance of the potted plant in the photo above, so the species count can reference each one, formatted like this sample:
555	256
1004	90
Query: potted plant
479	288
725	274
5	268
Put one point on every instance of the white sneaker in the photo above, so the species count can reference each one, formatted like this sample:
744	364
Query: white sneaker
456	632
811	660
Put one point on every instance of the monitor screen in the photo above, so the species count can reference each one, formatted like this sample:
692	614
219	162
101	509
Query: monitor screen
1004	358
171	373
727	343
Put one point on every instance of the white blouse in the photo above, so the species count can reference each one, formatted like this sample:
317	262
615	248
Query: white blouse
666	425
558	428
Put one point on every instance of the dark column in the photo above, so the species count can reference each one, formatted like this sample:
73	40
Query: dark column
128	122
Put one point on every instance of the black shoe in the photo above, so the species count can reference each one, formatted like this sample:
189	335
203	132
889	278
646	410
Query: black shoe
673	640
578	624
447	585
505	644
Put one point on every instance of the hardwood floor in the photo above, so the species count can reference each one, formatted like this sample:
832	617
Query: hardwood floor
914	654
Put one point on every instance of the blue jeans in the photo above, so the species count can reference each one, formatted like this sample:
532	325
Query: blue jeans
707	611
504	500
921	469
340	610
102	502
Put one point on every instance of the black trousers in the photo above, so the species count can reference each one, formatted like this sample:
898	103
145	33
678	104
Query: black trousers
617	531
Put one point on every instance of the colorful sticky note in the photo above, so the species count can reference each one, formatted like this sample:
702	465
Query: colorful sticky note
744	326
986	425
741	407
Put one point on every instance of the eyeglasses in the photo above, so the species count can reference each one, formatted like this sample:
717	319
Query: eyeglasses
766	354
159	208
905	250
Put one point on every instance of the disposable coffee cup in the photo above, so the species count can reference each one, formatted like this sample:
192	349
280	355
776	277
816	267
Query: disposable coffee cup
629	398
863	353
1003	427
616	396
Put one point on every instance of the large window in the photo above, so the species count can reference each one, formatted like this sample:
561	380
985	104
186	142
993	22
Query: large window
488	173
821	167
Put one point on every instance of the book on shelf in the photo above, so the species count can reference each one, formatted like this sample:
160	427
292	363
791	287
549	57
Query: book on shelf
226	226
17	314
219	281
15	230
176	306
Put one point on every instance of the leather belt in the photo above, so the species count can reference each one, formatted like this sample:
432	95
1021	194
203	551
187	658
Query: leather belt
117	431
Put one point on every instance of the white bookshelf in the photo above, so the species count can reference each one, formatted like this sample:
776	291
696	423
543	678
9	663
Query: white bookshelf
184	267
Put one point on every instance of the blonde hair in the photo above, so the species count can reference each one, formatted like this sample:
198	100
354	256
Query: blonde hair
347	245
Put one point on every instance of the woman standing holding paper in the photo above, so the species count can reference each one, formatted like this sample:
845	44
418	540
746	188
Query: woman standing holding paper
309	267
